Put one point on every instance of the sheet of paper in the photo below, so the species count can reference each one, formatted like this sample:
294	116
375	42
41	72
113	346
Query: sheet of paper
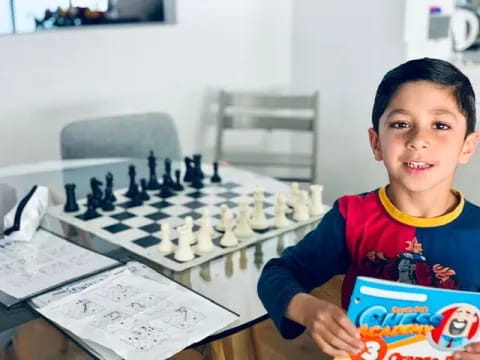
27	268
135	312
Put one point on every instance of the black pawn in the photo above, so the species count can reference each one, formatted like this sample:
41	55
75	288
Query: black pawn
197	161
188	170
108	200
153	183
132	187
167	176
143	194
177	186
165	189
71	203
215	177
91	212
109	185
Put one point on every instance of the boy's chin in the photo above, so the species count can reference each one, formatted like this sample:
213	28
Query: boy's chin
417	186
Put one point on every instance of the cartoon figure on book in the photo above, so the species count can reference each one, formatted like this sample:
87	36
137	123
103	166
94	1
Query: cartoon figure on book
417	229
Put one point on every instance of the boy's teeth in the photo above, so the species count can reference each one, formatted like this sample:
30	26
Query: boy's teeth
418	164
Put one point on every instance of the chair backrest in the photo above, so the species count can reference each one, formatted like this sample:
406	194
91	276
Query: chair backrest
121	136
267	111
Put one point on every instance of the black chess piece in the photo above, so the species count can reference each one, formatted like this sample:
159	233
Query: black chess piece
132	187
197	161
215	177
177	186
143	194
71	203
91	212
165	189
137	200
167	176
153	183
96	191
188	170
109	185
196	176
108	199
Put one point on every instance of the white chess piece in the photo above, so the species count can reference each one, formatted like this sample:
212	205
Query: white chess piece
258	220
228	239
301	212
204	236
184	251
316	205
206	221
189	229
243	229
294	192
281	220
221	225
166	244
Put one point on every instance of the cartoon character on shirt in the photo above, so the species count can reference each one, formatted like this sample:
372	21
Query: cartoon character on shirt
459	326
410	266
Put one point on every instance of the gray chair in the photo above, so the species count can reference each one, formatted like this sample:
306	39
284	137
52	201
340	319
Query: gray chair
240	111
121	136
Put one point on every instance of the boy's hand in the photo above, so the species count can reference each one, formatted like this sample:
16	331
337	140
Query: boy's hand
328	325
471	352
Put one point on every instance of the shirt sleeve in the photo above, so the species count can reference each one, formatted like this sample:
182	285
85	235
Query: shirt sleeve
320	255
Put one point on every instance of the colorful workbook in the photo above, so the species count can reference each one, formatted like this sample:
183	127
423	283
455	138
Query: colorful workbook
399	321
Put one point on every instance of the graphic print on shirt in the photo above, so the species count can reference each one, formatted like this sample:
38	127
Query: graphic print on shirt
410	267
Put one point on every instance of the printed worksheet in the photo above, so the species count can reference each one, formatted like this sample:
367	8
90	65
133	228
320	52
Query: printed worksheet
134	311
30	267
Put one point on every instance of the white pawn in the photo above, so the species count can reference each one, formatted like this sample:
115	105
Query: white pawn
166	244
223	210
204	237
206	221
228	239
294	192
258	221
316	205
243	229
301	212
184	251
281	220
189	229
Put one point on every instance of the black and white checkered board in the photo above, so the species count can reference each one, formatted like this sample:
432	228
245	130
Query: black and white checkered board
138	228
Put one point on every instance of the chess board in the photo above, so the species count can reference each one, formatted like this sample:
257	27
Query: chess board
138	228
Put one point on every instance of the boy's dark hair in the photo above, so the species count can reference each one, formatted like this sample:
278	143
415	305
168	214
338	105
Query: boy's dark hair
426	69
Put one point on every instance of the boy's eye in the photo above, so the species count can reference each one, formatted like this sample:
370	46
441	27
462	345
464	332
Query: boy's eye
441	126
399	125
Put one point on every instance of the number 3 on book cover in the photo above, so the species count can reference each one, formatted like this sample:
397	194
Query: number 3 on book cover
409	322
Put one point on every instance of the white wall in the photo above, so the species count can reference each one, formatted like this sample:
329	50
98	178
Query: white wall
50	79
344	51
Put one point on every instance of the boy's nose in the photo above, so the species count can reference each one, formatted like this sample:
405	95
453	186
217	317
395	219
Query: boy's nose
418	141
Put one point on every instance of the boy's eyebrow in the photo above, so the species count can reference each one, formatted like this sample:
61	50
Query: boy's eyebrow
438	111
397	111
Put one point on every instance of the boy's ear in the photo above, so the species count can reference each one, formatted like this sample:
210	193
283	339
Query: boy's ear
375	144
469	147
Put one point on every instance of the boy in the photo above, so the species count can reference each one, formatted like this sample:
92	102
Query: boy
417	229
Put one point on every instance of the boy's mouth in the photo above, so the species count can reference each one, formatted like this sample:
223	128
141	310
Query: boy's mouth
418	165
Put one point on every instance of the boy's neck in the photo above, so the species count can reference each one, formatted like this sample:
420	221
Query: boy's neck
422	203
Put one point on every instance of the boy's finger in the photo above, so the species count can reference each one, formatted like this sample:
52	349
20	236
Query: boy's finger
346	324
463	355
338	337
326	348
473	347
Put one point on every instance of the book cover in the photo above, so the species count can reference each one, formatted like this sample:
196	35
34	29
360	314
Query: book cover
402	321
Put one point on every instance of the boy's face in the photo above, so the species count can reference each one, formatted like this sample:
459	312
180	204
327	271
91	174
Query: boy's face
421	137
